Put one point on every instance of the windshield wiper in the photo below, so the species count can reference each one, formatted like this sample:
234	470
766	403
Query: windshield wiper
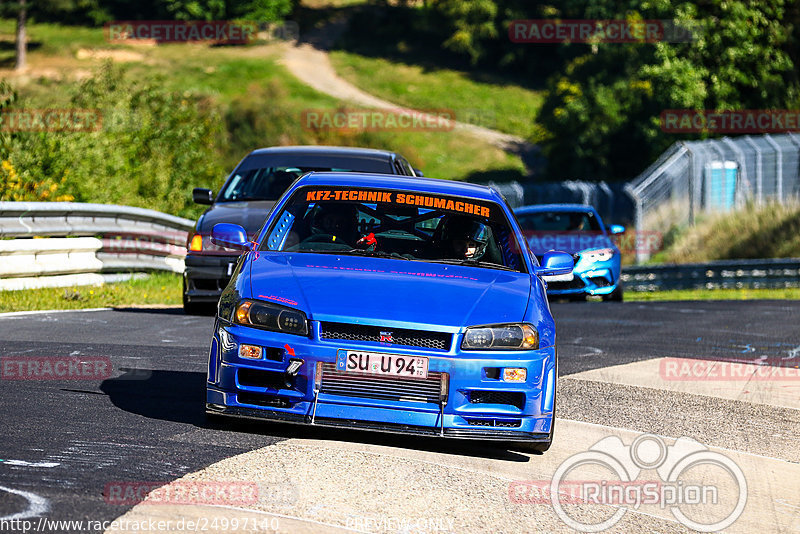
375	254
475	263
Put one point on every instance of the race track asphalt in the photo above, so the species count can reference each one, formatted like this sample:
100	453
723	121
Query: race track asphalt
64	441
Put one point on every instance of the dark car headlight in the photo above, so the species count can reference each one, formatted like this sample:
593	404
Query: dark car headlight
514	336
271	317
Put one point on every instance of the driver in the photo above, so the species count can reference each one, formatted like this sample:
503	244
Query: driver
465	238
339	221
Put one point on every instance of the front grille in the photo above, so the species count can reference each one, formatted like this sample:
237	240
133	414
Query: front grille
261	379
512	398
378	334
263	400
502	423
575	283
209	284
600	281
380	387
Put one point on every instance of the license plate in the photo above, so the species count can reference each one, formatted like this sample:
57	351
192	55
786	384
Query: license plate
374	363
559	277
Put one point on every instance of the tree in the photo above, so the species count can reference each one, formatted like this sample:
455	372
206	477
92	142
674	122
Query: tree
257	10
22	40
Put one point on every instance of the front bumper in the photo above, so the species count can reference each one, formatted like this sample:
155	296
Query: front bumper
600	278
475	405
207	275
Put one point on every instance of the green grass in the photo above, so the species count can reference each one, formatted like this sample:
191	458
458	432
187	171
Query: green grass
769	231
253	74
156	289
489	101
715	294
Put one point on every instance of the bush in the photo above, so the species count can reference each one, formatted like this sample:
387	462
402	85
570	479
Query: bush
152	148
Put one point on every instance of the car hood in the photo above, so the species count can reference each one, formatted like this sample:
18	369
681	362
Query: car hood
390	292
249	215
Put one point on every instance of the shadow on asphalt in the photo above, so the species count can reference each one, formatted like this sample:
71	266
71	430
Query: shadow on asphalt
178	396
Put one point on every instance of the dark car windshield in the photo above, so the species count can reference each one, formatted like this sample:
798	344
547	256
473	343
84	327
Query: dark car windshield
559	221
267	183
396	224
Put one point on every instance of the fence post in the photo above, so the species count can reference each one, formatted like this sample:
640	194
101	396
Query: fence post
692	182
796	143
759	169
778	167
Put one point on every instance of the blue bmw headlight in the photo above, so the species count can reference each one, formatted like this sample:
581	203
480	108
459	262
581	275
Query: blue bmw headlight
514	336
600	254
271	317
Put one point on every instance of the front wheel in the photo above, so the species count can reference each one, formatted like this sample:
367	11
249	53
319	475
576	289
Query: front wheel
616	295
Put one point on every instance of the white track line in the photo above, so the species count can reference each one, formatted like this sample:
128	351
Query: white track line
37	312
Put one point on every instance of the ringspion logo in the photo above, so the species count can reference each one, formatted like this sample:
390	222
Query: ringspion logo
703	490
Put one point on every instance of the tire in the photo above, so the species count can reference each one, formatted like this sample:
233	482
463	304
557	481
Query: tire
616	295
195	308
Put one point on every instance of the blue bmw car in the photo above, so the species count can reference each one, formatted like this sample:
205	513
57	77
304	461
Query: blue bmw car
388	303
578	230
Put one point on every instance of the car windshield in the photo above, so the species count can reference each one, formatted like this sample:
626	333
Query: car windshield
559	221
405	225
267	183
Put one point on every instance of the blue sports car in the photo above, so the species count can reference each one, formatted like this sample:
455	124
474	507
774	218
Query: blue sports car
388	303
577	229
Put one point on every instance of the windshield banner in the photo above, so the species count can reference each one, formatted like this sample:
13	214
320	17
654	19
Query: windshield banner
423	200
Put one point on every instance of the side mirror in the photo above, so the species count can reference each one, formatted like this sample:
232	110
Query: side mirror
556	263
616	229
418	172
201	195
230	236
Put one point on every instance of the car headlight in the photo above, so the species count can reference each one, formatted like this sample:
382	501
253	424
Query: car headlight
515	336
271	317
202	243
600	254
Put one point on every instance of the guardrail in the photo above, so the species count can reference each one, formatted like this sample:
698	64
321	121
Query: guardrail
56	244
727	274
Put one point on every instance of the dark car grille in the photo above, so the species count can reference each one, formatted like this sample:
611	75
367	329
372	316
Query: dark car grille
575	283
507	423
512	398
380	387
377	334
